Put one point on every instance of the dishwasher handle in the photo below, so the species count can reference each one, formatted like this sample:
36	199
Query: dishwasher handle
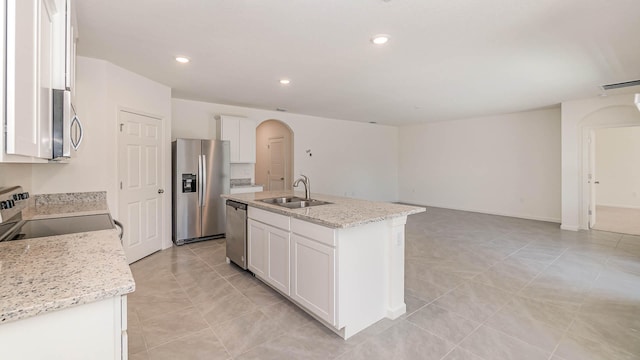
237	205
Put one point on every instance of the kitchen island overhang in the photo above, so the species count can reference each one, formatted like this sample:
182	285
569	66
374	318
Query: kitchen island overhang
343	262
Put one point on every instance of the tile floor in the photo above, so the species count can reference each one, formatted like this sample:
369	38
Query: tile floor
477	287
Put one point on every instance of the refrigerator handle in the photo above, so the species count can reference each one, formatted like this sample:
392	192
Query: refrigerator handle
204	178
199	180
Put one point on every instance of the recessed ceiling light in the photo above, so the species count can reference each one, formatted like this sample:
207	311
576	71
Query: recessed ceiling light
182	59
285	81
380	39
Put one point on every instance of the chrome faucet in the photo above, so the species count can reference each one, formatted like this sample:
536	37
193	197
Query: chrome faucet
307	186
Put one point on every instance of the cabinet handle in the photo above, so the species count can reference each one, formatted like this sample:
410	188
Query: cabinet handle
77	140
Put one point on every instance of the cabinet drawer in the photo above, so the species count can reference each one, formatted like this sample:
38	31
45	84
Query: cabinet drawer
269	217
316	232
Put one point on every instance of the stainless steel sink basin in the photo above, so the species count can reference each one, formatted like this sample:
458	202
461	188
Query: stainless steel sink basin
282	200
294	202
304	203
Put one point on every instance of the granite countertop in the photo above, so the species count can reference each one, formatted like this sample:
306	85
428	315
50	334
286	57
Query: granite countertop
45	274
341	213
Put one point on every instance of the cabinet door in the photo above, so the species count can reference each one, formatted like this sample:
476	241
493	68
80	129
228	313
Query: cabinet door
278	259
22	80
45	78
247	135
257	247
313	277
29	34
230	130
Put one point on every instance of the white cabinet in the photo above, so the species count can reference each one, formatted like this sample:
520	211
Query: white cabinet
269	248
97	330
313	276
30	39
257	247
64	50
241	133
27	86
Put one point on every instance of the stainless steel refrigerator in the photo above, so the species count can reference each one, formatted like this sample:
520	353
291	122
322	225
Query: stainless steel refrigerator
200	175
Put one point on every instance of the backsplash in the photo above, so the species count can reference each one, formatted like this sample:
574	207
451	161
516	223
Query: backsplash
66	198
240	182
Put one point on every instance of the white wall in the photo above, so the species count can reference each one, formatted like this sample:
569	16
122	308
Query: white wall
349	158
579	118
16	174
618	167
504	164
102	90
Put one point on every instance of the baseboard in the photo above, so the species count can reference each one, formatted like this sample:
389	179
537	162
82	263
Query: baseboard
519	216
620	206
569	227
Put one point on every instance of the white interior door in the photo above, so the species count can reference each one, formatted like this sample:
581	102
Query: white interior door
277	164
140	169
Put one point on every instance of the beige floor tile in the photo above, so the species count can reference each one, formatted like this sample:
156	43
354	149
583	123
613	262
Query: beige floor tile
535	322
422	289
461	354
148	305
213	255
474	301
247	331
576	347
135	334
402	341
262	295
290	316
313	341
220	309
243	281
413	303
207	287
509	275
203	345
167	327
492	344
226	270
443	323
139	356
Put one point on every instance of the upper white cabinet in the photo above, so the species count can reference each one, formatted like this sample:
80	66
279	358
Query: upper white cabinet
64	51
31	42
241	133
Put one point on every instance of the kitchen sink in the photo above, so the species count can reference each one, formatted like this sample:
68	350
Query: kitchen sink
294	202
282	200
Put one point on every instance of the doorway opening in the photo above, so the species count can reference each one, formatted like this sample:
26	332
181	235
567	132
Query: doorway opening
274	155
614	179
617	116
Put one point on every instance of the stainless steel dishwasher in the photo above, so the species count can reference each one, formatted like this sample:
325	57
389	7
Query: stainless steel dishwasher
236	233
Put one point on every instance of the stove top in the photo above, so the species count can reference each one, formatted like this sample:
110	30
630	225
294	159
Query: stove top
12	227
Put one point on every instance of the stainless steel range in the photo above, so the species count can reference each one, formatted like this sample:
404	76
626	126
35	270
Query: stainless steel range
12	227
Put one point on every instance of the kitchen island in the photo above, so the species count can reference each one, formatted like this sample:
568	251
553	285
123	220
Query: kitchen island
64	296
342	262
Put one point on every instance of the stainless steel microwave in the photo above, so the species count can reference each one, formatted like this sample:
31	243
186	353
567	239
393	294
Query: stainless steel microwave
67	130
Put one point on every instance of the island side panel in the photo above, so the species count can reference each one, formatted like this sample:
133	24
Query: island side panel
363	276
395	244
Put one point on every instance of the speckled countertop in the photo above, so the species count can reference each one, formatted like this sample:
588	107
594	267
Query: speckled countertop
341	213
51	273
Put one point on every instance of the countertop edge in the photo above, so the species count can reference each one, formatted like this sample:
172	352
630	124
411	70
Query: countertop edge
293	212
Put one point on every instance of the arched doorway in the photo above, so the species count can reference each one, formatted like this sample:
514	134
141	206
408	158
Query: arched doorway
274	155
607	117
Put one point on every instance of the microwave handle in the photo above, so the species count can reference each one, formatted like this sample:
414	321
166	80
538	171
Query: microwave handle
77	140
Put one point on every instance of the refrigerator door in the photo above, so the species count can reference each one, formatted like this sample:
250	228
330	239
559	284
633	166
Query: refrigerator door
186	192
215	182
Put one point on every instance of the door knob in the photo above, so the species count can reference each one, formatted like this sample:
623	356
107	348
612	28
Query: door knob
597	182
281	178
160	191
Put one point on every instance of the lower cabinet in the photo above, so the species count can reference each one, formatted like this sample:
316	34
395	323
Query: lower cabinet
313	276
269	254
97	330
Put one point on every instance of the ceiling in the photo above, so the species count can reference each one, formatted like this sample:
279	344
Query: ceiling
447	59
